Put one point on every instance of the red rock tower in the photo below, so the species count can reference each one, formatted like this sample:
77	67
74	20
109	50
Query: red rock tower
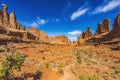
116	24
103	27
5	16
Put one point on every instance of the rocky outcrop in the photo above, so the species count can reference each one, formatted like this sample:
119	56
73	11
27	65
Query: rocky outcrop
11	27
8	20
59	40
80	40
111	36
87	34
5	16
103	27
41	36
13	23
115	33
116	25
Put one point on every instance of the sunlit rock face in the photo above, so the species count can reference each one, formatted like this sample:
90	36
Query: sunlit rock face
103	27
11	27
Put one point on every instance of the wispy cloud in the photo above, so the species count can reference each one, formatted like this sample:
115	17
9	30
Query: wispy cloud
76	32
56	20
38	22
107	7
78	13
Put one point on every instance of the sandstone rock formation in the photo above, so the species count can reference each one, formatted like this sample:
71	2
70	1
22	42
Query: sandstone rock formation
5	16
8	20
11	27
111	36
80	40
103	27
59	40
41	36
116	24
115	33
87	34
13	20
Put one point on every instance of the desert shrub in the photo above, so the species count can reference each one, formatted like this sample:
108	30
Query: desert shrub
60	68
88	76
47	65
9	63
82	55
37	75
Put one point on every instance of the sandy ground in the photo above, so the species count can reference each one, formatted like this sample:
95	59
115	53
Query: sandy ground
49	58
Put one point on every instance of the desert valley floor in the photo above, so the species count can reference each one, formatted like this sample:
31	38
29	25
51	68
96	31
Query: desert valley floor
64	62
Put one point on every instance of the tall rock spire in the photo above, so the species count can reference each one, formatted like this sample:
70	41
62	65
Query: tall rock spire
13	20
5	16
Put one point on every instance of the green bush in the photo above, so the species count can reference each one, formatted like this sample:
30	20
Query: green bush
9	63
82	55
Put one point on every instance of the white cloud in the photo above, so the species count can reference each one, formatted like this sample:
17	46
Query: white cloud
40	21
36	23
78	13
76	32
73	38
109	6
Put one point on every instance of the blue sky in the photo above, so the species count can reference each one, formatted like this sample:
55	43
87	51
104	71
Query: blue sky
63	17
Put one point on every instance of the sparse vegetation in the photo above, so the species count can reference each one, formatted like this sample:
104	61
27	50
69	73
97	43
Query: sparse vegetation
88	76
60	68
9	63
47	65
82	55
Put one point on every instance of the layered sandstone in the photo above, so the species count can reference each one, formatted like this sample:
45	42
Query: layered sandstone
116	24
11	27
111	36
103	27
85	35
41	36
59	40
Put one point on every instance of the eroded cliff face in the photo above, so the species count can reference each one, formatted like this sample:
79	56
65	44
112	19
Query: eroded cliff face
59	40
103	33
11	27
85	35
41	36
108	36
103	27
